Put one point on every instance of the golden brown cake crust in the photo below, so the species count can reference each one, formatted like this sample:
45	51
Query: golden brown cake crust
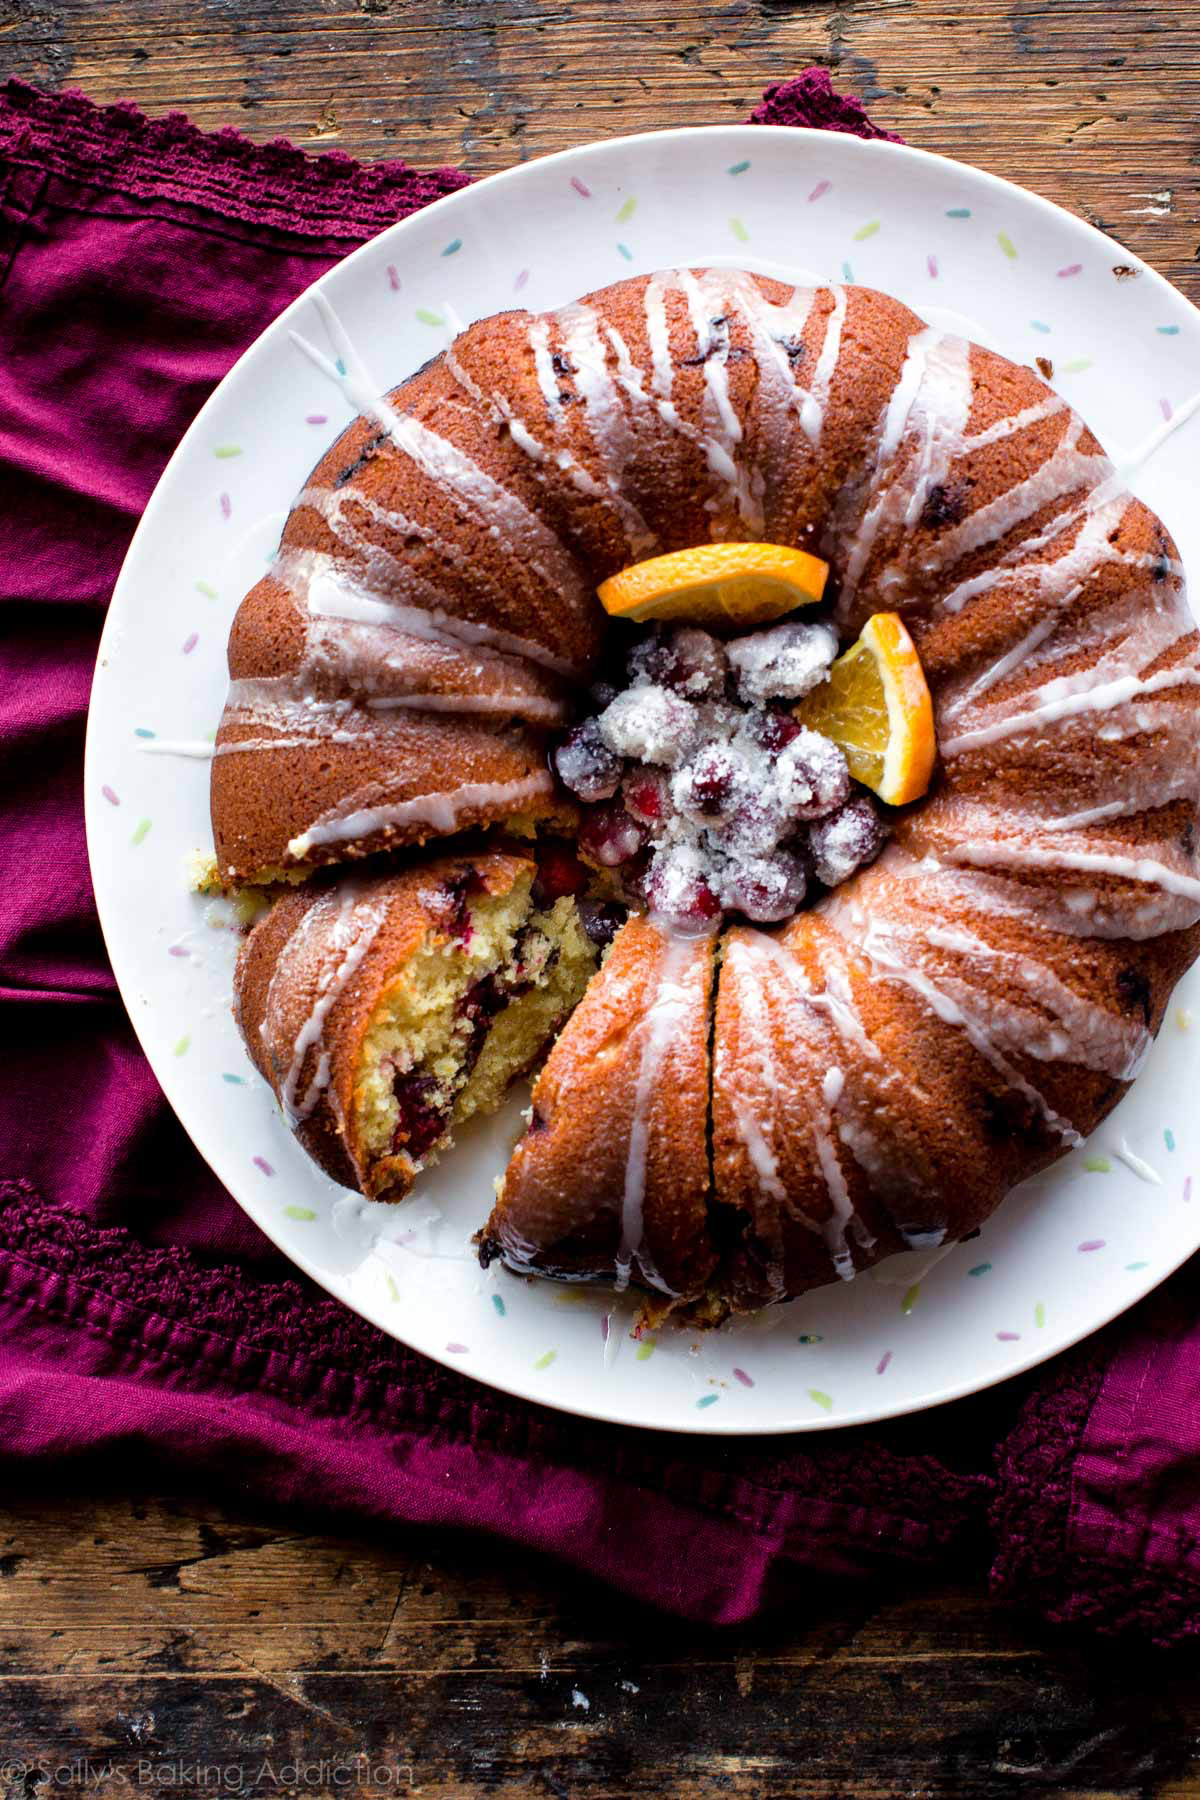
888	1064
611	1179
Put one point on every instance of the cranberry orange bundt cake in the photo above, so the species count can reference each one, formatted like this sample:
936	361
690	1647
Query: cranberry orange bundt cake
384	1009
915	1005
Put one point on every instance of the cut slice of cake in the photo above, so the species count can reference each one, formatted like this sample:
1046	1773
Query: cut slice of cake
384	1010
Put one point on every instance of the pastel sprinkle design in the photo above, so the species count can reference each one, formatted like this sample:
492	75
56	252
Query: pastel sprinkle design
1183	1019
260	1162
429	318
178	950
1097	1165
867	231
1039	1315
304	1215
707	1400
393	275
182	1046
144	731
1166	409
462	1350
909	1299
1187	1191
931	263
1076	366
626	252
881	1367
498	1306
740	169
207	589
393	1290
1009	1337
1071	269
646	1349
316	418
522	278
339	365
958	212
1091	1244
821	189
1137	1265
453	247
627	209
1006	244
980	1269
847	272
741	1375
1167	330
810	1337
189	643
739	231
584	192
140	832
234	1080
225	451
547	1356
1039	325
226	505
821	1399
113	798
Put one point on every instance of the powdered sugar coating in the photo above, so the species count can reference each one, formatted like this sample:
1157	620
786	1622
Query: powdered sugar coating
783	662
717	798
844	841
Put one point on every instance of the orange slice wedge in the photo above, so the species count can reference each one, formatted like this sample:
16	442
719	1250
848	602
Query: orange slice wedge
716	584
876	705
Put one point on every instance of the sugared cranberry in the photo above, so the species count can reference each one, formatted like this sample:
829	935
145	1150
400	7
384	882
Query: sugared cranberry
559	872
764	888
782	663
844	841
649	724
684	658
772	729
811	776
420	1122
705	786
610	835
647	795
586	765
678	892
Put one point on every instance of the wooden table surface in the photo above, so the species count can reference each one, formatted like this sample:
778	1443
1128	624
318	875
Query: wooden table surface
168	1632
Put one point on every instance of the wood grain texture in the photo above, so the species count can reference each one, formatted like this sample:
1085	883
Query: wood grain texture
1094	104
172	1634
181	1633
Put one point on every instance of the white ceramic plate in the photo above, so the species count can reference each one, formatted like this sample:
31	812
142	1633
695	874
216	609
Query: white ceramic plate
1066	1252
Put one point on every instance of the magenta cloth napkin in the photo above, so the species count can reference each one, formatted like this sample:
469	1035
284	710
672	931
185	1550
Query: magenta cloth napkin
147	1330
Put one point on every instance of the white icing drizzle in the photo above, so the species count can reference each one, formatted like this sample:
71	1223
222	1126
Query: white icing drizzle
1035	856
673	999
340	943
750	953
816	402
1067	698
440	811
874	942
503	514
933	395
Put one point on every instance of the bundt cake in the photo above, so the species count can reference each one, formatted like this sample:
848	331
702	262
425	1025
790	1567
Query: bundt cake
944	1018
384	1009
